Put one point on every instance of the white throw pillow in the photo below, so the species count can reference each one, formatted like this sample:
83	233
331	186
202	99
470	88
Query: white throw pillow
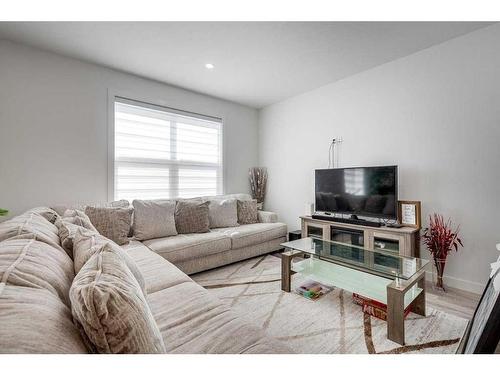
110	309
154	219
223	213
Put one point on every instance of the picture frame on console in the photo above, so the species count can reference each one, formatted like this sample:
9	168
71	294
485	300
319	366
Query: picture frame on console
409	214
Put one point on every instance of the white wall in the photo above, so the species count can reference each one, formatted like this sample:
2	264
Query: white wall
53	127
435	113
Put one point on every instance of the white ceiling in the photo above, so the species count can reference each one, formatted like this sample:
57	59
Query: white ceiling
256	63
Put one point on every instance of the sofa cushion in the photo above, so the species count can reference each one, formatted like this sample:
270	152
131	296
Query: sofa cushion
247	212
154	219
195	265
253	234
110	308
35	320
223	213
112	222
158	273
35	264
87	243
191	216
48	213
31	225
188	246
199	323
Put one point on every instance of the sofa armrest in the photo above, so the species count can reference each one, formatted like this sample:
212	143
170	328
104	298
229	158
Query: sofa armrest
267	217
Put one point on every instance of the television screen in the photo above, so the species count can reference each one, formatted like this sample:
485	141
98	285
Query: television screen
369	191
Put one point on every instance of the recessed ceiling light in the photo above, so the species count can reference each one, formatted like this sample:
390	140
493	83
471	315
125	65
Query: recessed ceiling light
209	66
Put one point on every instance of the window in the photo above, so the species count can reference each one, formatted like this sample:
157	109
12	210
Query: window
163	153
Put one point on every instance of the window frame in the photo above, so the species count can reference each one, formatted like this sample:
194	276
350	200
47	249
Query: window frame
115	96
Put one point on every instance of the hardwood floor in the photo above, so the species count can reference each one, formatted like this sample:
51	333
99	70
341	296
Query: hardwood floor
453	301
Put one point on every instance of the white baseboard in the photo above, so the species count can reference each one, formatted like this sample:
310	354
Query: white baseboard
454	282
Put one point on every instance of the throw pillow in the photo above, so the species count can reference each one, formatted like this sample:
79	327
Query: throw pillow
223	213
79	218
68	225
191	216
247	212
46	212
153	219
110	309
112	222
86	243
67	232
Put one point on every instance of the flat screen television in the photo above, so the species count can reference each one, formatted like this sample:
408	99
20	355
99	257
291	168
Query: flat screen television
364	191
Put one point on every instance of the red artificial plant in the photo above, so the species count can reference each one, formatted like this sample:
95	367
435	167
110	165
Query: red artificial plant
441	239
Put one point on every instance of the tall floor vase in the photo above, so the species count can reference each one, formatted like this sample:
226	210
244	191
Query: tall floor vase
258	182
438	273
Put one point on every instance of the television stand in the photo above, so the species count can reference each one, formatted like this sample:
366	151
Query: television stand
352	220
404	241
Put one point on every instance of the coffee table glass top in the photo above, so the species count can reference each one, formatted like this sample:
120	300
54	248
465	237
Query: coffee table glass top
382	263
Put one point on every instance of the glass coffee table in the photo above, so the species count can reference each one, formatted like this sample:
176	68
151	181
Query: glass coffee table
383	276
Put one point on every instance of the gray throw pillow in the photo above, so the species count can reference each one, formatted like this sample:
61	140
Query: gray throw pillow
153	219
247	212
112	222
191	216
223	213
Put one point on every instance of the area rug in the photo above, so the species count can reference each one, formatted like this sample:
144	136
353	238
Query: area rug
331	324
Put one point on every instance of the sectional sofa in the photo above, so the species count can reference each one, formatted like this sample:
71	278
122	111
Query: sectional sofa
37	272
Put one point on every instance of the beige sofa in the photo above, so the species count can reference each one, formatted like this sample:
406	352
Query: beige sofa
198	252
36	275
189	318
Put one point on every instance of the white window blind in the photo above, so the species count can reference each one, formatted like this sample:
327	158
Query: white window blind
163	153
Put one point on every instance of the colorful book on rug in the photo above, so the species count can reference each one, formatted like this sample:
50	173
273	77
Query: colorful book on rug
374	308
313	290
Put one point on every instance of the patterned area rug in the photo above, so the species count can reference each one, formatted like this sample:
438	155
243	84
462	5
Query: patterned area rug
331	324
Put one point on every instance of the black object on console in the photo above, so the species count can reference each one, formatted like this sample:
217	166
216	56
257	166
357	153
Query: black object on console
367	223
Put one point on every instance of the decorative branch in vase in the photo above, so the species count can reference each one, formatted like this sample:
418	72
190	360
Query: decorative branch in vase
258	184
4	212
440	239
